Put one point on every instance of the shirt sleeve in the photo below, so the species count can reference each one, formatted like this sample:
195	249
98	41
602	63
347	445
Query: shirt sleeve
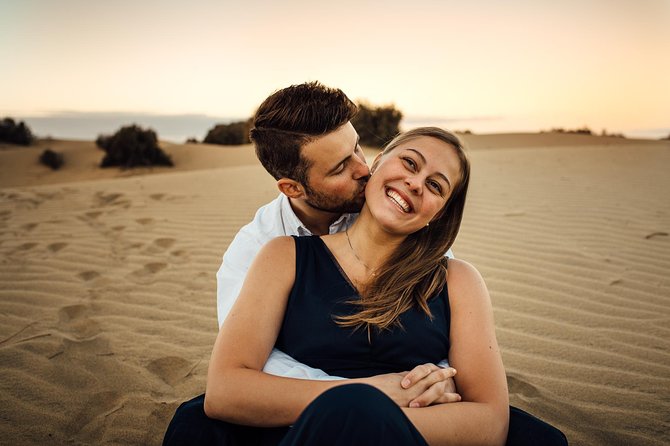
233	270
281	364
229	280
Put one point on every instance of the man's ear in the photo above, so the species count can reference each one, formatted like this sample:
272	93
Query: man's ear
376	162
290	188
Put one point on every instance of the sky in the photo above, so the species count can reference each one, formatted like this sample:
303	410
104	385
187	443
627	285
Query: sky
484	65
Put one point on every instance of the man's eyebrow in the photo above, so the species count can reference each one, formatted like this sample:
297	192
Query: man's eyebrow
344	160
423	160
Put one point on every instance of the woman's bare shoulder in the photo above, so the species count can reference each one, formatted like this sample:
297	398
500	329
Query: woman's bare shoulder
463	279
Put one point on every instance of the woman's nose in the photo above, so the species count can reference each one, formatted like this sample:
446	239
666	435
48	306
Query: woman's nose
413	183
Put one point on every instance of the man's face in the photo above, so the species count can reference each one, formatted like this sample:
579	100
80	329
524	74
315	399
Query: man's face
338	173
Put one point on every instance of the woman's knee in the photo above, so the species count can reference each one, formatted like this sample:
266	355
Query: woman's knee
359	400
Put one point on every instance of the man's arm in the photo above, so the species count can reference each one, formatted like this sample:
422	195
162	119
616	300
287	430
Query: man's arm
229	280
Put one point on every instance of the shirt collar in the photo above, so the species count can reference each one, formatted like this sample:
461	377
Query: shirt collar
293	225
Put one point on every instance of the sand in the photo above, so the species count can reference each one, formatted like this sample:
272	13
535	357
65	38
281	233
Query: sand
107	285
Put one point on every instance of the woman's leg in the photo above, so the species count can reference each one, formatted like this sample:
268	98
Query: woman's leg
527	430
353	414
191	427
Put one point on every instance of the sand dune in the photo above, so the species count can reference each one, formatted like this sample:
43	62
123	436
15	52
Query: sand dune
107	286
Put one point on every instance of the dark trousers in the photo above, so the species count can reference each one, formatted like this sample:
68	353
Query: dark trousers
345	415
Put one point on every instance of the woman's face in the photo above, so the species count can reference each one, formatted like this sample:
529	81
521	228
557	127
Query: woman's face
412	183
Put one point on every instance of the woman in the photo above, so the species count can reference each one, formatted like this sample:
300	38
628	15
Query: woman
378	298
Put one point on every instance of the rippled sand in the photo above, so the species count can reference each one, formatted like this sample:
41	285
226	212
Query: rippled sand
107	285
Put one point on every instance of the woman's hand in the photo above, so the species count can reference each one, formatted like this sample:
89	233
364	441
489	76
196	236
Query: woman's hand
438	383
424	385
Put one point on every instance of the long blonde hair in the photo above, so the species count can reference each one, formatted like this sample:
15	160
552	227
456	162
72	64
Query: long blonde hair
417	269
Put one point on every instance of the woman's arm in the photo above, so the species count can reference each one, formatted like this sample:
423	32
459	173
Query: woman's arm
483	414
239	392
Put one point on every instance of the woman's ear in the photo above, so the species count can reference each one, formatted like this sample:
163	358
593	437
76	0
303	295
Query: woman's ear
290	188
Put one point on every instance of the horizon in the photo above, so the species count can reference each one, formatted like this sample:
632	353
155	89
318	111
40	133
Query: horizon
178	128
482	66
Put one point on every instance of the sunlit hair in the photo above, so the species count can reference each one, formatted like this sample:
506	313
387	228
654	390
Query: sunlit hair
292	117
417	268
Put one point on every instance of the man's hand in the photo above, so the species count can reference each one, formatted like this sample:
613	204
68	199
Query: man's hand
424	385
438	384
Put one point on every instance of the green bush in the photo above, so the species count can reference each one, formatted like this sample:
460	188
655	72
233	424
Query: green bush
377	125
52	159
15	133
132	146
234	133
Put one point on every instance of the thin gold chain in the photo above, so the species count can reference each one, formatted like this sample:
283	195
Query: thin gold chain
372	271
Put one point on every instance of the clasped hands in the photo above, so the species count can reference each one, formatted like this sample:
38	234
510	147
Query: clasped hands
424	385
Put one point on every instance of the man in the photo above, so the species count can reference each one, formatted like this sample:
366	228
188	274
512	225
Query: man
304	138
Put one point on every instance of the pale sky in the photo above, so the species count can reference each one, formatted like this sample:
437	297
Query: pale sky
489	64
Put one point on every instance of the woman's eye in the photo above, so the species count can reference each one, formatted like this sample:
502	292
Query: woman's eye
435	186
410	163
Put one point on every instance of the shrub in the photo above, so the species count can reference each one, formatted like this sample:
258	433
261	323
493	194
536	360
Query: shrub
377	125
132	146
52	159
582	131
15	133
613	135
191	141
234	133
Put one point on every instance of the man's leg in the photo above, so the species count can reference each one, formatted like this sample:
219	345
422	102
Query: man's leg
351	415
527	430
190	426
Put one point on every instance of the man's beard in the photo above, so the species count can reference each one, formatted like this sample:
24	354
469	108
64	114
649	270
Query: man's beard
336	205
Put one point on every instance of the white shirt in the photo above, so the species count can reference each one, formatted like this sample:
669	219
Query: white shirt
272	220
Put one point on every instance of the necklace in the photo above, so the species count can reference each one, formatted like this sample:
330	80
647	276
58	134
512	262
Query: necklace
353	251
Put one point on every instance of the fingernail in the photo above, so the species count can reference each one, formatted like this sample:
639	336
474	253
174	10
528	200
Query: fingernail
413	405
405	382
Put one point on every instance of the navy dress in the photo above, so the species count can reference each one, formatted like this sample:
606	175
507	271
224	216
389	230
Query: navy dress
310	334
351	414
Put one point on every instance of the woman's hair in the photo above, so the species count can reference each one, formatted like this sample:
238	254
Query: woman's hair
417	268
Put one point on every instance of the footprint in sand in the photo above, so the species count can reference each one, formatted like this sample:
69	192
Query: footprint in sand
103	199
88	275
26	246
55	247
144	221
93	214
171	369
118	228
94	412
160	245
4	215
155	267
164	242
75	320
518	386
29	226
148	270
157	196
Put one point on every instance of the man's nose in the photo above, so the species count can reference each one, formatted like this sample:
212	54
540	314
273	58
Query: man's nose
361	169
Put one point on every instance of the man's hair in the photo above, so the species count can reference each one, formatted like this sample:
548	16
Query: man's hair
293	117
